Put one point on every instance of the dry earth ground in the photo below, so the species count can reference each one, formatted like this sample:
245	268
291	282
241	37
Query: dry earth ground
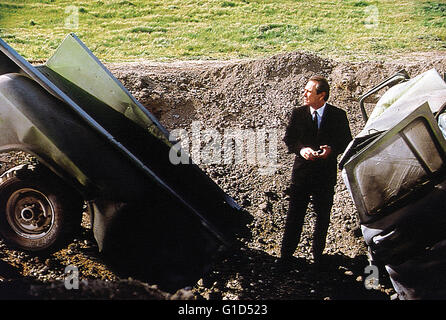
247	95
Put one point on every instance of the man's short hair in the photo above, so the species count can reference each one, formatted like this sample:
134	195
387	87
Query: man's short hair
321	86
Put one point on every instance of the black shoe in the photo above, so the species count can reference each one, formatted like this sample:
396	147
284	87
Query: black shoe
301	264
322	263
283	265
290	263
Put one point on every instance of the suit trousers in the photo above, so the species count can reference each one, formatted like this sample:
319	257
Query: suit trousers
300	195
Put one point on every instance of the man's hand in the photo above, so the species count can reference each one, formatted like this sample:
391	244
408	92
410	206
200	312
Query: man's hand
326	151
309	154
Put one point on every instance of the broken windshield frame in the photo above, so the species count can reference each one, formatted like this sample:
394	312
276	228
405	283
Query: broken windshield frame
367	211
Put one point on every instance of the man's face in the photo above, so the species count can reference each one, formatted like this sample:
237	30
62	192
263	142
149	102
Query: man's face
311	97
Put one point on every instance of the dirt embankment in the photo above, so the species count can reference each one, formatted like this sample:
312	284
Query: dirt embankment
251	96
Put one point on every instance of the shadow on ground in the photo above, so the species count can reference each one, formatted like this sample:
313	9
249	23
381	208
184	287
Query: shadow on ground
242	274
253	274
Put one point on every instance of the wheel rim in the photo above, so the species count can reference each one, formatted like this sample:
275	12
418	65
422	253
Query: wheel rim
30	213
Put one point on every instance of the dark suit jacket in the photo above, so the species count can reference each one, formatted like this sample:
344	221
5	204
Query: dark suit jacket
334	131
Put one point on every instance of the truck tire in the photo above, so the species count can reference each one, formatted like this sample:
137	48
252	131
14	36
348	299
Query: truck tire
37	212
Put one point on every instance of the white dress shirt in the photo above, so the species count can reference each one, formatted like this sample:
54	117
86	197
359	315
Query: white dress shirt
320	112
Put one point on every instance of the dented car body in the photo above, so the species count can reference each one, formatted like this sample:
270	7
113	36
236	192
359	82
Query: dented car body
98	145
395	171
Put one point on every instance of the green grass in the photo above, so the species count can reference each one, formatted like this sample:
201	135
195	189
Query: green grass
119	30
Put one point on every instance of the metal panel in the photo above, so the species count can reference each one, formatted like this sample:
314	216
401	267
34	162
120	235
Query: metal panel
398	161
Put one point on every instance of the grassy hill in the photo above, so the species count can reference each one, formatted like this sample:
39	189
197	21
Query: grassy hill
120	30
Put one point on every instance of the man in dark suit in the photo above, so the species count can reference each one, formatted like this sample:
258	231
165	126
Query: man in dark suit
317	133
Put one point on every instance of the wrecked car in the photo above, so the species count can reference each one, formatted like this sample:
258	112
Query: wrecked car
96	146
395	171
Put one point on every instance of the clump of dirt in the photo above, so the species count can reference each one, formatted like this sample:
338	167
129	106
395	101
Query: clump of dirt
252	96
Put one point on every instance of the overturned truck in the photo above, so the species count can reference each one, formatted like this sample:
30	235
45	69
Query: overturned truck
94	145
395	170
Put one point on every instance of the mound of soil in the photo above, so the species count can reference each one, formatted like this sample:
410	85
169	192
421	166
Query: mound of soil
251	96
